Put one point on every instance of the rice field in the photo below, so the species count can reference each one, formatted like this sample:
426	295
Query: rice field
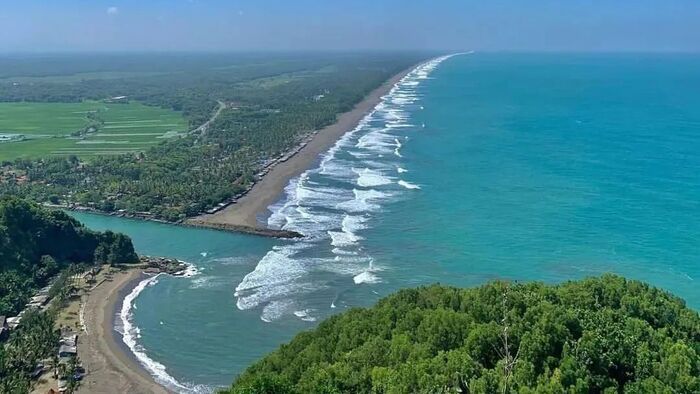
54	128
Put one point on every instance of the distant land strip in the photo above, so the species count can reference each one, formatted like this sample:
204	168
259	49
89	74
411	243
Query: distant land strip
241	215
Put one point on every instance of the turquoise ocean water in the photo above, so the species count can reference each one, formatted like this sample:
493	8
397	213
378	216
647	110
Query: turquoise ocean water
476	167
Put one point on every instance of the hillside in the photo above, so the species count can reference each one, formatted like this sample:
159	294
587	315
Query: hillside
603	334
37	243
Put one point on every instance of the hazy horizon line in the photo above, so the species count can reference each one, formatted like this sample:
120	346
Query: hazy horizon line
342	51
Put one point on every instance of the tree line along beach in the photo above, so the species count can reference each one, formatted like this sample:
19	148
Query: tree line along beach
109	364
352	207
243	214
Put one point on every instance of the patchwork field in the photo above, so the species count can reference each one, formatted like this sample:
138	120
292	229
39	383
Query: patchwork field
40	129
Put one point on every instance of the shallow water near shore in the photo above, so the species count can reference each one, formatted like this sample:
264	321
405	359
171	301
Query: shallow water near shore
479	167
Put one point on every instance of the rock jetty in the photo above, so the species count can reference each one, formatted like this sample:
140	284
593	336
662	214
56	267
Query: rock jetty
155	265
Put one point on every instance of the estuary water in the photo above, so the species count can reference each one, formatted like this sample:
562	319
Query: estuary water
475	167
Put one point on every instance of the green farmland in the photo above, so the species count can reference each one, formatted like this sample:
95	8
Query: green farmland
60	128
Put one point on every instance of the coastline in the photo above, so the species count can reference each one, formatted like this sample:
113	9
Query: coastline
111	366
242	216
226	227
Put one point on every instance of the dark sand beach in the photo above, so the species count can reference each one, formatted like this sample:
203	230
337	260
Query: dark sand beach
243	215
111	365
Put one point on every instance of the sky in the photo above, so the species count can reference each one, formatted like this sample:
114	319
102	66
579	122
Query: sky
343	25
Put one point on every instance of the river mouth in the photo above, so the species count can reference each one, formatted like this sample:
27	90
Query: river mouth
513	167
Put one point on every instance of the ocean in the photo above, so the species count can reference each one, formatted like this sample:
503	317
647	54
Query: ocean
475	167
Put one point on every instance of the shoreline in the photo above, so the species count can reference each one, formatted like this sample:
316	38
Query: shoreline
242	215
111	366
226	227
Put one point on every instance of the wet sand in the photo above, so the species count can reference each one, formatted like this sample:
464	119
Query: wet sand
244	213
110	365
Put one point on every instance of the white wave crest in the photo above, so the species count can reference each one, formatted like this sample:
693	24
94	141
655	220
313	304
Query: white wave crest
370	178
130	333
366	277
408	185
190	271
364	201
332	204
305	315
343	239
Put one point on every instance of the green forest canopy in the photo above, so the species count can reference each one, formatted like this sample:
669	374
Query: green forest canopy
37	243
272	102
604	334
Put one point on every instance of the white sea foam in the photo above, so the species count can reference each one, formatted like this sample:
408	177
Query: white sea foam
276	309
335	213
369	178
274	270
359	155
343	252
190	271
130	333
332	204
352	223
398	125
305	314
343	239
206	282
347	237
377	141
408	185
366	277
364	201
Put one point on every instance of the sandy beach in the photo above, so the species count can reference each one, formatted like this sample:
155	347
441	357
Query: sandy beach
111	367
243	215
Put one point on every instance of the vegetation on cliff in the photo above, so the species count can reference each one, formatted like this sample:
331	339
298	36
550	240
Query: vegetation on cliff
37	243
604	334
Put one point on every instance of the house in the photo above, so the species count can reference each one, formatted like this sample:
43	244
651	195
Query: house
13	322
69	340
67	351
38	301
116	99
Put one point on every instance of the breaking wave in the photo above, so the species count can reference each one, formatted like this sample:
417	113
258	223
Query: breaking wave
408	185
332	205
130	333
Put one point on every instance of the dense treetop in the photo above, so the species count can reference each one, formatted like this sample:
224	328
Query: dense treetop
37	243
271	103
604	334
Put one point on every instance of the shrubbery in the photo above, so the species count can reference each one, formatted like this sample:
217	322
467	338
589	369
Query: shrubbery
604	334
36	243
